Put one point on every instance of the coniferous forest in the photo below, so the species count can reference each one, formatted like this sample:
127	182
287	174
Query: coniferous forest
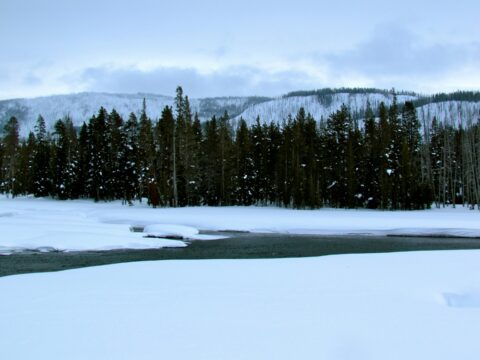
386	162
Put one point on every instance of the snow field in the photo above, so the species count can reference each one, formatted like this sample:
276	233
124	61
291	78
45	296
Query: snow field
369	306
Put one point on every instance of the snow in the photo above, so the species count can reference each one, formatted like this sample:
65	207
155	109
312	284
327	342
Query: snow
454	113
48	225
82	106
31	223
181	231
280	108
370	306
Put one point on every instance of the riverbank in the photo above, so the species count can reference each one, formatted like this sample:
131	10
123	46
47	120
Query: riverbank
28	223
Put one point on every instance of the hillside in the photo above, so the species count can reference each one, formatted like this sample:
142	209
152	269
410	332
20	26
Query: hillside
319	106
455	108
80	107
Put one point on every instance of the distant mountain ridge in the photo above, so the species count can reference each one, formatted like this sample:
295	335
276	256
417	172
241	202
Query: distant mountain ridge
454	108
82	106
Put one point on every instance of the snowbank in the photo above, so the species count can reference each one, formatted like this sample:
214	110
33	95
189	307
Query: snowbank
371	306
29	223
48	225
177	231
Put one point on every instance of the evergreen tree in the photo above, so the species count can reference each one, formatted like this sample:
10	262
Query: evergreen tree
98	170
259	170
286	163
25	168
338	128
412	187
195	160
211	164
146	155
165	157
272	163
10	145
42	178
115	140
244	179
128	161
394	154
370	162
82	182
384	152
225	149
65	160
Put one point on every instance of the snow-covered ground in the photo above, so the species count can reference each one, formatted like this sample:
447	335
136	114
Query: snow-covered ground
417	305
30	223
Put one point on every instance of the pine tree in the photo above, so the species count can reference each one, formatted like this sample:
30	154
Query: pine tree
195	160
225	149
115	142
10	145
165	157
394	154
146	154
211	164
259	170
82	181
184	138
286	165
412	188
384	150
272	163
42	177
65	160
98	170
25	168
338	128
370	163
128	161
244	179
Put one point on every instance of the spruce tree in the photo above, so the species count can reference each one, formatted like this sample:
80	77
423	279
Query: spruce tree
98	170
128	161
244	179
115	142
370	161
25	167
211	164
165	157
10	146
42	177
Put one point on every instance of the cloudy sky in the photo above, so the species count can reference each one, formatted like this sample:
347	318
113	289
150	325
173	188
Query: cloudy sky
226	48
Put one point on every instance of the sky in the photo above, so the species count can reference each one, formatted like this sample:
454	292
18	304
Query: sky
236	48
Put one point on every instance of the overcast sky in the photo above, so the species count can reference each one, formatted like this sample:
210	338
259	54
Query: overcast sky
227	48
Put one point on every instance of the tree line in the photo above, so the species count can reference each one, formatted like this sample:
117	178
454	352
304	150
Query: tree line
176	160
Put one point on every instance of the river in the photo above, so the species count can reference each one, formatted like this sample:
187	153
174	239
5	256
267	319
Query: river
238	246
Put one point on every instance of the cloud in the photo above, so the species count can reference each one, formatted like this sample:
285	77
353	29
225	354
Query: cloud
394	54
230	81
32	80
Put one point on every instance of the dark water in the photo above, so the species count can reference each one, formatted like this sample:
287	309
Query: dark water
238	246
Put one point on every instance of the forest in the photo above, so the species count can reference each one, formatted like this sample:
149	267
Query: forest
387	161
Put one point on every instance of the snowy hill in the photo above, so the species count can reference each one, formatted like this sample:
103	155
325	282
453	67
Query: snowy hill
80	107
319	106
450	112
452	108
